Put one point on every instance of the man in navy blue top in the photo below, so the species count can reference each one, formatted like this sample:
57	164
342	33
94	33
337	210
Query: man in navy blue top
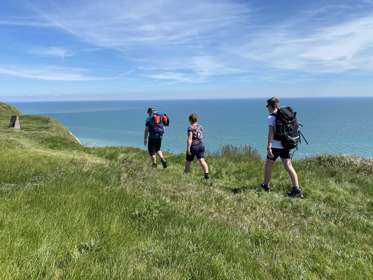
153	134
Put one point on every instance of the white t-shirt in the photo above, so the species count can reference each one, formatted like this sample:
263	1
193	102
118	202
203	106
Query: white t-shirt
276	144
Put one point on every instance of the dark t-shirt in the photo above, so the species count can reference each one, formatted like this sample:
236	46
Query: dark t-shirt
155	131
197	134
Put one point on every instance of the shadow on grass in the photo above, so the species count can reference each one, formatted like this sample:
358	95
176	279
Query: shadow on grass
237	190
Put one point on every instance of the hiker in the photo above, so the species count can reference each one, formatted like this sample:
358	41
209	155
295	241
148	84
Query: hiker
153	133
275	148
195	146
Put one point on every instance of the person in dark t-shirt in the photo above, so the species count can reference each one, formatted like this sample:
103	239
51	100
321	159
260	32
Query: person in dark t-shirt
153	134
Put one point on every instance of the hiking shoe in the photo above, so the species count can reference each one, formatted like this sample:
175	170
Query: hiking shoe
154	165
296	192
164	163
206	176
265	187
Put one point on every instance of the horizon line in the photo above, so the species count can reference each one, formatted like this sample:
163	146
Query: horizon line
175	99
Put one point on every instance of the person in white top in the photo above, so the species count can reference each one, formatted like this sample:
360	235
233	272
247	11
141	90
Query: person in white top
275	150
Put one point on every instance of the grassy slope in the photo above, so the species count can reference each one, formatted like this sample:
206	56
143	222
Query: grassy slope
72	212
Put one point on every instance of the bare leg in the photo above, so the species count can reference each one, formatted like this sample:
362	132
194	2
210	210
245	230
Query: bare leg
160	154
153	159
163	160
291	171
187	166
204	165
268	171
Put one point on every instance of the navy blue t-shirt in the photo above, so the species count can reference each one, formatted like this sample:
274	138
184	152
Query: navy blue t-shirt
155	131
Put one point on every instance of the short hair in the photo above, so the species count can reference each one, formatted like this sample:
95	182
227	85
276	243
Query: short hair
151	110
273	101
193	118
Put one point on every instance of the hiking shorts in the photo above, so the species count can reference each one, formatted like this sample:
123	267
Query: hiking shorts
154	145
196	151
282	153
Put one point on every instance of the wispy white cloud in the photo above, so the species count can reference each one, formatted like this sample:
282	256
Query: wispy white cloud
58	52
332	49
341	42
172	77
48	73
170	36
25	21
207	66
199	67
122	24
192	41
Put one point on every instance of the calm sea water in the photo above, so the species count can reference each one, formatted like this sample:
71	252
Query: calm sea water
335	126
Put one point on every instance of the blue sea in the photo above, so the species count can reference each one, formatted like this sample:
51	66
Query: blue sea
331	125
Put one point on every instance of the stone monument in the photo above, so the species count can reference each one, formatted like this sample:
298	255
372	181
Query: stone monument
14	122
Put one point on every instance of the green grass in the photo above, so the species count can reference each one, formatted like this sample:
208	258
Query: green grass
71	212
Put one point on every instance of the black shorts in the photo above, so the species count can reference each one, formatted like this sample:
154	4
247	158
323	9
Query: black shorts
196	151
282	153
154	145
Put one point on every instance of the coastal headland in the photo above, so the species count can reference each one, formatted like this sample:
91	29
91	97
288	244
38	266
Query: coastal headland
73	212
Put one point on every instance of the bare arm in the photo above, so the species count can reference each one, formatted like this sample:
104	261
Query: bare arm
271	135
146	134
189	141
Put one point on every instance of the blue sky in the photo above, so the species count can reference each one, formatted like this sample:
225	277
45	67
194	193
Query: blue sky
124	49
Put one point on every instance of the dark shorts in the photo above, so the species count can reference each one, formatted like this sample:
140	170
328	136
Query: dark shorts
282	153
154	145
196	151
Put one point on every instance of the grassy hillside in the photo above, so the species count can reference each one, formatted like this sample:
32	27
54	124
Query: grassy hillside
70	212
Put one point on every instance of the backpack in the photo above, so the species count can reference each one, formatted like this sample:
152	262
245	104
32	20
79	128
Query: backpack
165	120
157	122
287	128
